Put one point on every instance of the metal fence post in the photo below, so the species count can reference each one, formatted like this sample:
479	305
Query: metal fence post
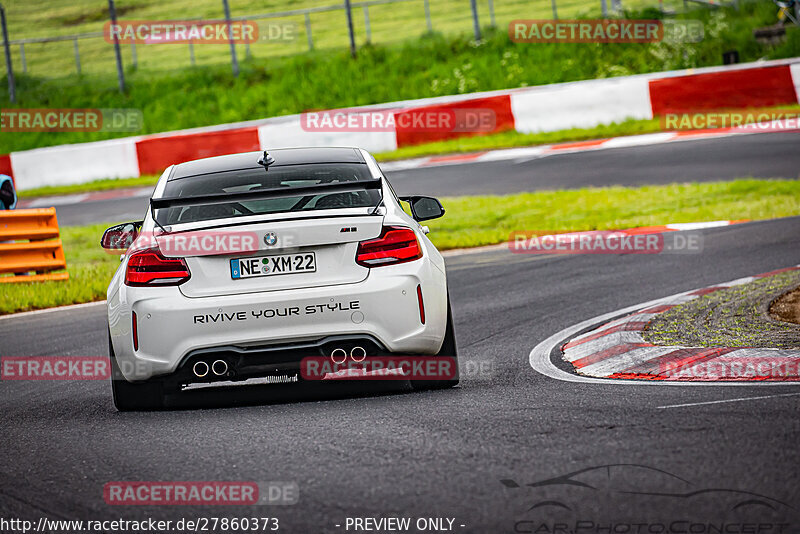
134	59
476	26
350	27
191	53
120	74
77	56
428	15
22	57
365	7
308	31
555	11
604	8
491	14
12	90
234	62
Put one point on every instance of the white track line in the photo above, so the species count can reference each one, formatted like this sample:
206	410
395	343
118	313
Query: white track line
740	399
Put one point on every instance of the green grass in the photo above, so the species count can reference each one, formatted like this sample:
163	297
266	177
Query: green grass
433	65
95	185
388	24
484	220
474	221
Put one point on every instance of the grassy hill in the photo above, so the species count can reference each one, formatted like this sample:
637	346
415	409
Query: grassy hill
432	65
389	23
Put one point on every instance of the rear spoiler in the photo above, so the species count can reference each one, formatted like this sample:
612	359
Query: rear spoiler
262	194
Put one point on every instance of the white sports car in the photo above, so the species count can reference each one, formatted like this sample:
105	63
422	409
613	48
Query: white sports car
248	263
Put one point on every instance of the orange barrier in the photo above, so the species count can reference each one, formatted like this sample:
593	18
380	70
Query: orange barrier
30	243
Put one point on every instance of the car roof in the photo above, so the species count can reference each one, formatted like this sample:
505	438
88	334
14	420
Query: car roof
283	156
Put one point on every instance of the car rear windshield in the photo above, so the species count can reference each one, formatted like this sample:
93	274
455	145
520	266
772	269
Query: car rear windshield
253	180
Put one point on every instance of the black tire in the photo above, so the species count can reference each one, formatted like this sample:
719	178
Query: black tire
449	350
132	396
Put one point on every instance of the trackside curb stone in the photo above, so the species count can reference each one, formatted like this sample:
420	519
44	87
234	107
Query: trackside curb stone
616	349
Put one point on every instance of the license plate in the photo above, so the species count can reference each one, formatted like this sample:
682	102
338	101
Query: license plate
273	265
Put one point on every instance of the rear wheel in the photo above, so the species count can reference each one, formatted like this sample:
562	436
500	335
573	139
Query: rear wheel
131	396
448	350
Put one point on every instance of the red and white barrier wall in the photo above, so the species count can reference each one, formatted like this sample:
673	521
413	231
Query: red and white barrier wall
583	104
73	164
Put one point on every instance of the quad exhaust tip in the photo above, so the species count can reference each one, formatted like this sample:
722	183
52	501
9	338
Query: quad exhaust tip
219	367
200	369
357	354
338	356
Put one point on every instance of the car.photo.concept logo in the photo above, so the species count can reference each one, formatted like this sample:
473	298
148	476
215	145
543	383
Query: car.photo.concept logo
630	498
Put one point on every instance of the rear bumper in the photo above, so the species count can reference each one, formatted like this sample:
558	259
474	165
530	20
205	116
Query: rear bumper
173	328
242	363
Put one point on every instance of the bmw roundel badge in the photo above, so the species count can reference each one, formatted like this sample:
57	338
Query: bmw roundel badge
270	239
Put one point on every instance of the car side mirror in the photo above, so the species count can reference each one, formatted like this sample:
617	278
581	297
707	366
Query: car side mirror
8	196
118	238
424	208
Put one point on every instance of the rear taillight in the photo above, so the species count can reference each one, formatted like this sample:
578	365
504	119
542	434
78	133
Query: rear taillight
395	245
149	268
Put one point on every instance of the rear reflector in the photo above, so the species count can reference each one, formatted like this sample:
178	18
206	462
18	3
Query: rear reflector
421	304
149	268
135	330
395	245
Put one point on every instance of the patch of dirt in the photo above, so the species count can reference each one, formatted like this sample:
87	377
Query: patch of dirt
738	316
787	307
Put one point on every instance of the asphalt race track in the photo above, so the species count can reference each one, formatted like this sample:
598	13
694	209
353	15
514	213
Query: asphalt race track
442	453
772	155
